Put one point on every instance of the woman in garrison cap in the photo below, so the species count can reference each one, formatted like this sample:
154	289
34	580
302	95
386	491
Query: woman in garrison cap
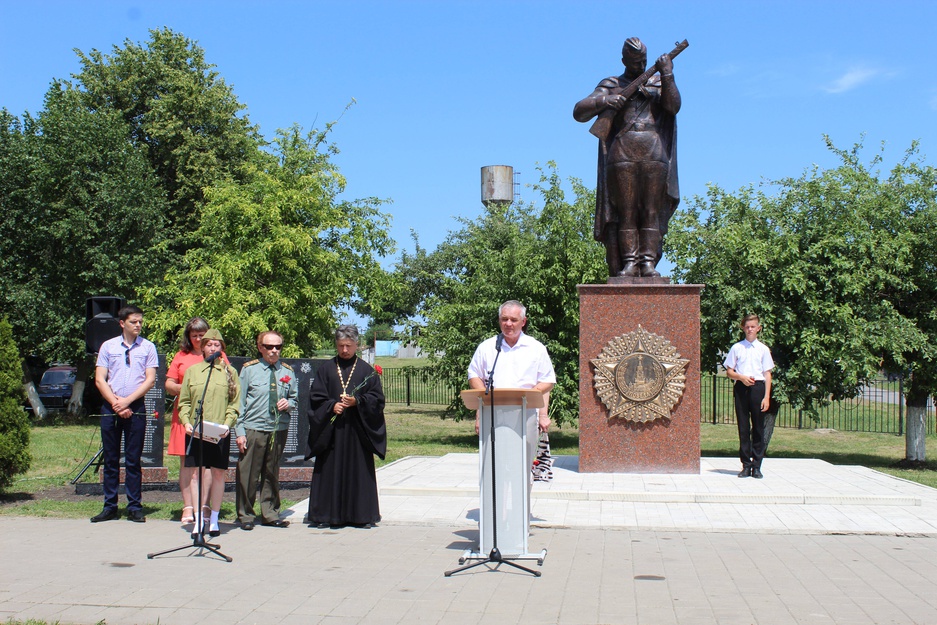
219	384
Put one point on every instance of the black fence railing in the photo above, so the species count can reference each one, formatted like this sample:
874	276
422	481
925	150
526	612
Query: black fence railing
879	408
415	385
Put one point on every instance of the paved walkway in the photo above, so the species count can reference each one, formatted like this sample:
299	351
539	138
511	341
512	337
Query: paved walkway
811	543
796	496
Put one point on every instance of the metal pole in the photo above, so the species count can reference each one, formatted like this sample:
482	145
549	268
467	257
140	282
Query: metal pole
714	399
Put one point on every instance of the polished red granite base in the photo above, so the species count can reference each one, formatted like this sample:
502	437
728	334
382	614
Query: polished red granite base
619	446
151	475
287	474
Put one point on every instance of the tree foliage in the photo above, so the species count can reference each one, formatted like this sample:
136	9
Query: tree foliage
77	195
143	177
276	251
102	189
378	332
14	426
510	252
188	120
839	264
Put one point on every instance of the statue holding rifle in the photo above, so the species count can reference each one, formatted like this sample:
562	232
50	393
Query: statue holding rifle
637	189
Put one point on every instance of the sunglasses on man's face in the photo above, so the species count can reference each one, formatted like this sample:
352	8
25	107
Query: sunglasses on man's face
272	347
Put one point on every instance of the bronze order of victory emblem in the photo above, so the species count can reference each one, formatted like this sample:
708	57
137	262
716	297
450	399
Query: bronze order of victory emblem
640	377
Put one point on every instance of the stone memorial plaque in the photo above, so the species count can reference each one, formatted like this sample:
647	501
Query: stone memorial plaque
155	400
295	451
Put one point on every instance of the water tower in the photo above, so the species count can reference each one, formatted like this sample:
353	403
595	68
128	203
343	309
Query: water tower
497	185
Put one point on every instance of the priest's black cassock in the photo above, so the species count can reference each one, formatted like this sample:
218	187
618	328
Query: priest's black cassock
344	485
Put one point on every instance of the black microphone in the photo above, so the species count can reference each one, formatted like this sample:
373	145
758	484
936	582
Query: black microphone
213	357
499	341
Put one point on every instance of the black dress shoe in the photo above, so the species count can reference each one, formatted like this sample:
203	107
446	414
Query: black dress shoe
756	473
136	516
247	526
745	472
106	515
277	523
214	533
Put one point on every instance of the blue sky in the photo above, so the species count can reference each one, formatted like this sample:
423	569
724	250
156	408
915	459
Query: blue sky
446	87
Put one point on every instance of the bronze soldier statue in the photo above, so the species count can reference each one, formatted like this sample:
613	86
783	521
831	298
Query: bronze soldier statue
637	190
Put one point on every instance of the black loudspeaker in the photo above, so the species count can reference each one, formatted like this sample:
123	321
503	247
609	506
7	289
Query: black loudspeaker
101	321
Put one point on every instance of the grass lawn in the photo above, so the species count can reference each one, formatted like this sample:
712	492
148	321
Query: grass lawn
59	452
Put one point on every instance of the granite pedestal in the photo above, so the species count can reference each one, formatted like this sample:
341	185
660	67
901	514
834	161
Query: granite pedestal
617	445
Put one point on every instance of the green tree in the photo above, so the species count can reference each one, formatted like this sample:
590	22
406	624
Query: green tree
102	191
279	251
75	199
14	426
378	332
180	111
839	264
511	252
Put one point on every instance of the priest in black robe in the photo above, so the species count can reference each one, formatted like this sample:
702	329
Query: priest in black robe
346	431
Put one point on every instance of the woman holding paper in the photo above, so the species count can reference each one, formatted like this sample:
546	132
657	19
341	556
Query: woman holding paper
220	408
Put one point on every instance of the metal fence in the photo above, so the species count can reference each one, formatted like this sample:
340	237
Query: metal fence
879	408
415	385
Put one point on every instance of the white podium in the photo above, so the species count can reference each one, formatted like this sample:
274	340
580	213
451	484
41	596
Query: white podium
504	501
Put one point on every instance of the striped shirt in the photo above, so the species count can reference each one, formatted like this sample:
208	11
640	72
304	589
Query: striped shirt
114	355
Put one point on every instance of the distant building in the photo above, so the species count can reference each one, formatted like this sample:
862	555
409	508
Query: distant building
395	349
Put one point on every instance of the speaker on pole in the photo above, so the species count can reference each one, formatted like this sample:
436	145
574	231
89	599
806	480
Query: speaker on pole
101	320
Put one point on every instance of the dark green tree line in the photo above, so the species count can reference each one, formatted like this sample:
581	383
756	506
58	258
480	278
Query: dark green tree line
180	111
142	177
839	263
278	250
535	255
14	426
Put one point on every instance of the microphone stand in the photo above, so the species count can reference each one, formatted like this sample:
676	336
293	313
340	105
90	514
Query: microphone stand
198	536
494	557
96	461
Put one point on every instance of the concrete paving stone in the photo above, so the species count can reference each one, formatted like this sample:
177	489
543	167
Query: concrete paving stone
435	616
339	620
468	618
578	614
291	619
37	611
283	602
710	555
83	614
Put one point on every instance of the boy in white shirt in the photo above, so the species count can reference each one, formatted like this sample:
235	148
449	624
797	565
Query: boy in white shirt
749	363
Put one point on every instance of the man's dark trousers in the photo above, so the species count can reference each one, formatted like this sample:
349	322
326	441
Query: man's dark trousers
262	459
133	431
751	422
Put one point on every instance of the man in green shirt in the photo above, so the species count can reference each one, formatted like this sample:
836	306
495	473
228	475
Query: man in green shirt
268	395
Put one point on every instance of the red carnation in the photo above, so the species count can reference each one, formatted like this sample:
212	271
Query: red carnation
378	369
286	379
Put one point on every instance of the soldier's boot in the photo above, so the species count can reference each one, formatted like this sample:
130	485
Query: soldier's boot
647	252
628	248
